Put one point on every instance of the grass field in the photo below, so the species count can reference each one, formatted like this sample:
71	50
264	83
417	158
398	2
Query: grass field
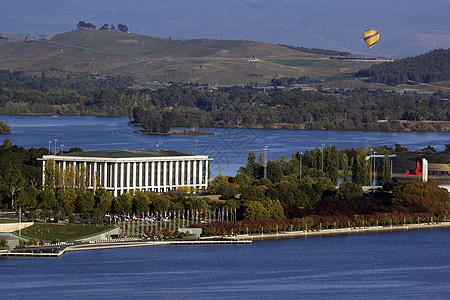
295	62
149	59
61	232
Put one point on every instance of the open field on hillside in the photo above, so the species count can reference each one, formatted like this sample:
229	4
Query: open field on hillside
150	59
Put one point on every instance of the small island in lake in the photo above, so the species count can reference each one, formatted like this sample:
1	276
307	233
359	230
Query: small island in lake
4	127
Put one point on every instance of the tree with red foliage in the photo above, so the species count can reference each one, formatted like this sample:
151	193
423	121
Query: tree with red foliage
416	196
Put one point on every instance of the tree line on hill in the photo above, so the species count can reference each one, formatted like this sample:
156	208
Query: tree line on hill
120	27
318	51
432	66
302	187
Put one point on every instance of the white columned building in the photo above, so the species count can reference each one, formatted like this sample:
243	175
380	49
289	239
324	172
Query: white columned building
121	171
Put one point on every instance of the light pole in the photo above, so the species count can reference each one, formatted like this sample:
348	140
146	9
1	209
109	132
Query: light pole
49	150
55	145
265	160
196	141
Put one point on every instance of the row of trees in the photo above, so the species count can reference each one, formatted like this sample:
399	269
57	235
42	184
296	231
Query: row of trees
432	66
316	222
120	27
319	51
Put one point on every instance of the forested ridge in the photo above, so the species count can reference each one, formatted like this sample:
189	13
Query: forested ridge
240	107
158	110
432	66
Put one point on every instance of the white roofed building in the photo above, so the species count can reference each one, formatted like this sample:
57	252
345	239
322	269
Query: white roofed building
121	171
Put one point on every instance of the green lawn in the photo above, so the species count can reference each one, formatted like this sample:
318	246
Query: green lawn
61	232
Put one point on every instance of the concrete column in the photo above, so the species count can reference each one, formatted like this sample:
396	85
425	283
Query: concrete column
139	171
152	176
424	170
95	175
88	173
105	175
194	173
115	180
177	172
134	176
146	175
122	167
206	173
165	182
200	177
188	177
128	176
170	173
158	175
43	171
183	173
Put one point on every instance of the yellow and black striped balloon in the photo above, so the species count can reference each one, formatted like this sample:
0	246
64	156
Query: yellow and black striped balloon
371	37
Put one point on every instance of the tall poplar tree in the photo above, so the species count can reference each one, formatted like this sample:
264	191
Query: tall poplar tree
361	169
386	171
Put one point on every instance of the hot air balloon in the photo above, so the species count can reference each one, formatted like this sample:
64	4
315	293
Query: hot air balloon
371	37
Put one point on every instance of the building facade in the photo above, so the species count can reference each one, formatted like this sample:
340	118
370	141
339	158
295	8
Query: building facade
121	171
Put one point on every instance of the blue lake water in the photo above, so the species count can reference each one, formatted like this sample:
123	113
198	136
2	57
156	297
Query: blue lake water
397	265
228	147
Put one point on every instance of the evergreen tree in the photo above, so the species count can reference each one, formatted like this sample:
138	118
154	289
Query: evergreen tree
385	177
331	163
361	170
345	167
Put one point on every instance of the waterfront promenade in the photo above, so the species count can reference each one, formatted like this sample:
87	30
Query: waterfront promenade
344	231
58	249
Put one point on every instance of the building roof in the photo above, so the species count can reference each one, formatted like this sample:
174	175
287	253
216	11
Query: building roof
437	158
124	154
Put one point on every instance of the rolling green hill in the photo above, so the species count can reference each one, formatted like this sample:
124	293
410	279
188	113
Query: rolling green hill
149	59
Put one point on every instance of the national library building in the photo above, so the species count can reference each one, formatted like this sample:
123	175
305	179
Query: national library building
121	171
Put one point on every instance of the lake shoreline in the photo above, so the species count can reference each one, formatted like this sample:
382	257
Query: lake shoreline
344	231
242	239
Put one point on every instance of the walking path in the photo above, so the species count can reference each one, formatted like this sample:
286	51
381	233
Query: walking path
58	249
340	231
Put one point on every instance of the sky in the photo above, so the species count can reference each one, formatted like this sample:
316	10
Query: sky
407	27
